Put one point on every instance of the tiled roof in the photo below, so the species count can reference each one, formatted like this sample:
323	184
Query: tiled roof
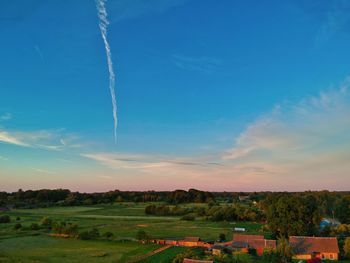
258	243
252	241
309	245
192	239
246	238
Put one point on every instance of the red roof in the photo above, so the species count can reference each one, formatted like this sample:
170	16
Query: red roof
265	244
246	238
192	239
309	245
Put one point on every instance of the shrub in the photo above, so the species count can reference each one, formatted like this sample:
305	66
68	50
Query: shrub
142	235
46	222
34	226
188	217
314	260
5	219
17	226
86	235
108	234
18	218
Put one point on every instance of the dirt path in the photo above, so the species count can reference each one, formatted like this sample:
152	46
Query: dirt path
139	258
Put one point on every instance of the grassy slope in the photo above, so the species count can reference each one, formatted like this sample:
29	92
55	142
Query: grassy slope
46	249
124	220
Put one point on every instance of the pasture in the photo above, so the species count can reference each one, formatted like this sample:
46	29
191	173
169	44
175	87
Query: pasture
123	220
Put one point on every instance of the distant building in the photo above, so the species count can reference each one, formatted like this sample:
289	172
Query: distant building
185	242
245	243
328	222
243	198
239	229
325	248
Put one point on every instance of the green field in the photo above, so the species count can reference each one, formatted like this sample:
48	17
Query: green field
123	220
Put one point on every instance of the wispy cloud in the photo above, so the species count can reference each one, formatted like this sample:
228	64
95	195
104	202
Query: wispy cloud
336	19
8	138
201	64
103	24
53	140
6	116
144	162
296	146
2	158
303	141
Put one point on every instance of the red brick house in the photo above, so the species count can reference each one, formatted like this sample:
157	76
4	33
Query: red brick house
325	248
186	242
244	243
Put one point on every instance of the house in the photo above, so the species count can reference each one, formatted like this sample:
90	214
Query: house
244	198
328	222
186	242
188	260
244	243
219	249
325	248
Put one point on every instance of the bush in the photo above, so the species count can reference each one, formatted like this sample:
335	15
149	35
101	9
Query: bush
141	235
5	219
46	222
17	226
34	226
188	217
86	235
18	218
108	234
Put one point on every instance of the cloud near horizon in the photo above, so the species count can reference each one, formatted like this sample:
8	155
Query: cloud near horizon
52	140
298	146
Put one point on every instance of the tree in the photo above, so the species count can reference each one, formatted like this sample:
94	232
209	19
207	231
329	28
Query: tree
141	235
17	226
291	214
5	219
222	237
284	250
46	222
346	247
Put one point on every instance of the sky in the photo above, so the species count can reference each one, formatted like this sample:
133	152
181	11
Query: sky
214	95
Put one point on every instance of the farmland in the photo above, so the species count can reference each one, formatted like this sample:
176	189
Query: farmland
124	220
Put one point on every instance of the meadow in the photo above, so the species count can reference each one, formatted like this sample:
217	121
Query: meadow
124	220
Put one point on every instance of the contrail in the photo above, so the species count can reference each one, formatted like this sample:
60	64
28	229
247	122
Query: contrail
103	24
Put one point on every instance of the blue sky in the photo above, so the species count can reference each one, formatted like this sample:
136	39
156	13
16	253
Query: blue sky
200	85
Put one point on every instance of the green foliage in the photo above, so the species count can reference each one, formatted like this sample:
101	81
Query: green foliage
46	222
87	235
284	250
342	211
222	237
293	215
5	219
141	235
108	234
346	248
270	256
17	226
189	217
34	226
65	228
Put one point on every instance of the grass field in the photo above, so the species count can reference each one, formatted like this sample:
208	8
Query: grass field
123	220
